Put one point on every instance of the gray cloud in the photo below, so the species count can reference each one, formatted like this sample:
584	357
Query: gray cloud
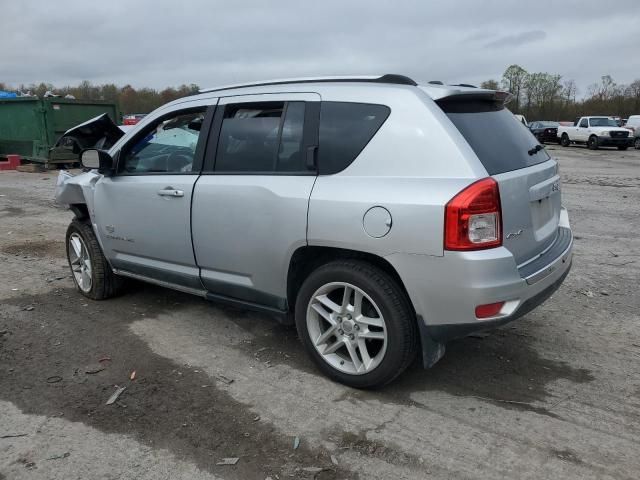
159	42
517	39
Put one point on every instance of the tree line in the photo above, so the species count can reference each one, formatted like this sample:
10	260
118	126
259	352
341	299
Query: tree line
536	95
545	96
128	98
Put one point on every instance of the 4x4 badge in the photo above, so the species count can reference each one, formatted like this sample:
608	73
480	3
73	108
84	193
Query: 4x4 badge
514	234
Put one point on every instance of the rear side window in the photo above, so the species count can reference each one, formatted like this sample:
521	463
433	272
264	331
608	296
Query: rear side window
499	140
345	129
263	137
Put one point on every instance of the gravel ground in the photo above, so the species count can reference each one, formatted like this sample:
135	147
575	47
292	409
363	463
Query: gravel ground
553	395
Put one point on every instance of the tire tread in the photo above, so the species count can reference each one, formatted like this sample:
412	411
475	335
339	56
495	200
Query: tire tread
105	283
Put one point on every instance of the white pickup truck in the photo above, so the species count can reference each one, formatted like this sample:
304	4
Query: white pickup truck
595	132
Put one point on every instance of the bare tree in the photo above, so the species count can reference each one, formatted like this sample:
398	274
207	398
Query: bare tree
513	79
490	84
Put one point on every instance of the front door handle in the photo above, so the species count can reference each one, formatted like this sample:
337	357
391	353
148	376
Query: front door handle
170	192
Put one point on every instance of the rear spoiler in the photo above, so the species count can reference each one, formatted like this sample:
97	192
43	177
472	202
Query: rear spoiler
455	93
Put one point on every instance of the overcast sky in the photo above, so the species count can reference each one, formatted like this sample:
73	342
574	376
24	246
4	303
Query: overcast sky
160	43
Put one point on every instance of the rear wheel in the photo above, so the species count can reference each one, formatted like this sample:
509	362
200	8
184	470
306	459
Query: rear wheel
356	323
564	140
91	272
592	143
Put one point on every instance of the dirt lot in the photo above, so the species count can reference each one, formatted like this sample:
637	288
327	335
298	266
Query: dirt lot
554	395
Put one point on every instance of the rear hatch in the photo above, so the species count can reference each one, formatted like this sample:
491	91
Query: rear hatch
527	177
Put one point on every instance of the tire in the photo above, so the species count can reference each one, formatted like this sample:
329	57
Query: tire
90	270
387	328
636	144
622	148
564	140
592	143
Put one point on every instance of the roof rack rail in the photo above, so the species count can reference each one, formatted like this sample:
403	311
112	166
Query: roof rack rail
387	78
464	85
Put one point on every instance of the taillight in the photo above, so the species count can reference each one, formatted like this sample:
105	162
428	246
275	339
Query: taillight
472	218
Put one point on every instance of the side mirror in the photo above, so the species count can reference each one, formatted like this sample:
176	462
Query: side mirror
92	158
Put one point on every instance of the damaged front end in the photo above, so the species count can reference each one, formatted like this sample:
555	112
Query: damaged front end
76	192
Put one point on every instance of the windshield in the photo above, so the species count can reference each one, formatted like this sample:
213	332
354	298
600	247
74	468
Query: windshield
548	124
602	122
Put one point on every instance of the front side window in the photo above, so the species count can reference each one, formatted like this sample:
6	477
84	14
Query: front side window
168	146
583	123
262	137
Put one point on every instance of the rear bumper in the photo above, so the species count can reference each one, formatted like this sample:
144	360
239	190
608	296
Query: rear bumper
446	290
549	137
615	142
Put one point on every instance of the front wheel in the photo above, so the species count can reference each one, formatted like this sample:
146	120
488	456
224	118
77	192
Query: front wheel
91	272
564	140
355	322
592	143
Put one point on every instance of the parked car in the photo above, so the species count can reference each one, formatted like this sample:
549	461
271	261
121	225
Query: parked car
595	132
133	118
521	119
545	131
383	217
633	124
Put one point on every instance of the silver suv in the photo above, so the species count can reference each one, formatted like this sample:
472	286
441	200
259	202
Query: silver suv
381	216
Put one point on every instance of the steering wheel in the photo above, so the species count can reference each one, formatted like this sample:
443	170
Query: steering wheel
179	161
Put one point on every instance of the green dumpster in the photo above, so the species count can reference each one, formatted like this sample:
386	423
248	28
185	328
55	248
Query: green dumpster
31	126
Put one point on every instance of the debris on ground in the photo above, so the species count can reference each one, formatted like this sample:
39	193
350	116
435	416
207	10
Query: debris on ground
334	460
132	376
587	293
104	359
14	435
604	293
28	308
115	395
54	379
58	457
296	443
94	368
312	469
224	379
228	461
256	418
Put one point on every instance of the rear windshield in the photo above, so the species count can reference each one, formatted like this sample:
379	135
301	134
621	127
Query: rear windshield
500	141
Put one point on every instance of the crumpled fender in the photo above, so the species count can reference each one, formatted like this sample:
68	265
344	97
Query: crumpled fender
76	189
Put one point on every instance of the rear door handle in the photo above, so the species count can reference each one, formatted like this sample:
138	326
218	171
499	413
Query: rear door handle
170	192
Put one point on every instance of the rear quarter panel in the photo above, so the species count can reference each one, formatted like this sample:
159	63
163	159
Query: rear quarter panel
414	164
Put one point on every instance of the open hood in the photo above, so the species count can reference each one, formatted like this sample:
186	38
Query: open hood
99	132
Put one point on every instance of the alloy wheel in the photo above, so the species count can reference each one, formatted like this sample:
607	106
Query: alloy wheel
347	328
80	262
